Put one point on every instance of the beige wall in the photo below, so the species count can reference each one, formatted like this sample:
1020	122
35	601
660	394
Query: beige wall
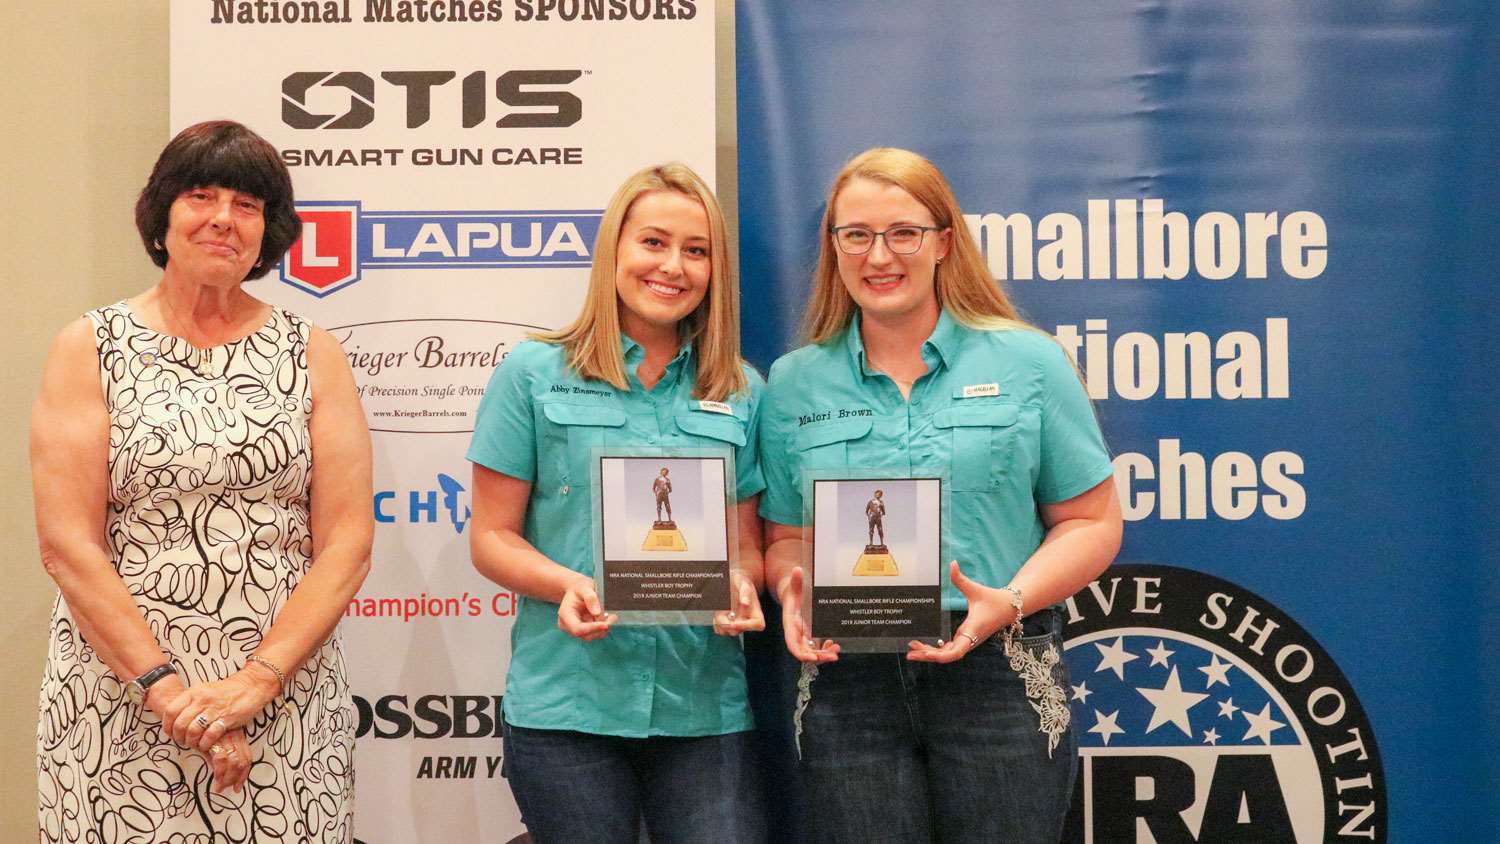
84	113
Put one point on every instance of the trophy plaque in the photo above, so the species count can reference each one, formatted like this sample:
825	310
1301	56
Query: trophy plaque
875	562
664	533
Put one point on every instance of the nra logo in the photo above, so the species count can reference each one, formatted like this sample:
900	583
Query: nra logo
1205	714
340	241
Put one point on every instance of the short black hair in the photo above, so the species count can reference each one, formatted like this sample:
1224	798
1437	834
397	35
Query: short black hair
227	154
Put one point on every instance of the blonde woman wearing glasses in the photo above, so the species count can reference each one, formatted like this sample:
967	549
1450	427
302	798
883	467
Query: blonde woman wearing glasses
939	743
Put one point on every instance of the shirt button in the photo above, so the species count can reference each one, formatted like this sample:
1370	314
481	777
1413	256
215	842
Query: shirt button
565	489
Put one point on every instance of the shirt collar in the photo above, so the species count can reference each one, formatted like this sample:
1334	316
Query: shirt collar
945	338
940	346
633	353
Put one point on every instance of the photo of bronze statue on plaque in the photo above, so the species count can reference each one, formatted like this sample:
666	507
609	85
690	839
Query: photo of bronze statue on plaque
876	559
664	537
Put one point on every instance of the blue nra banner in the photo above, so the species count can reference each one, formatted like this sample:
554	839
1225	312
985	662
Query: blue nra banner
1265	231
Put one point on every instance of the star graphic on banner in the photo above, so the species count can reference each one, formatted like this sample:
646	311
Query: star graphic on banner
1105	725
1210	736
1218	672
1261	724
1227	708
1159	653
1172	704
1081	692
1114	657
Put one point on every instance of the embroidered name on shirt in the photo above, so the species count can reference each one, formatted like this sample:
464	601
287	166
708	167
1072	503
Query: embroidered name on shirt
841	413
973	390
564	388
716	407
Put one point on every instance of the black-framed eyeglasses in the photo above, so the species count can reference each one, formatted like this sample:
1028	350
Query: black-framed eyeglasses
902	240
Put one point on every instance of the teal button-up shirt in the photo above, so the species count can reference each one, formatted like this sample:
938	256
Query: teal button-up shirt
1000	413
538	422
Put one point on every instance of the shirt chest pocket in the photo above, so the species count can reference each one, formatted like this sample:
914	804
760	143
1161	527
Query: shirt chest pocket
826	445
575	431
984	443
718	429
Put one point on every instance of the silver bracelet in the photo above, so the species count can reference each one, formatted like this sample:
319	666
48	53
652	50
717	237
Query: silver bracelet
1018	602
280	677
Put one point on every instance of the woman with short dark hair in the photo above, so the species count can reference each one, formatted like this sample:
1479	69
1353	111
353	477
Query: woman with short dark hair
195	683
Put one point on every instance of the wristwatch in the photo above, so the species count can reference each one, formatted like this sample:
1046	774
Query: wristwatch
137	688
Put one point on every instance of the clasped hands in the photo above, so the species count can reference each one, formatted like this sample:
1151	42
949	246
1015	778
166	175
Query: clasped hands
989	611
581	614
210	717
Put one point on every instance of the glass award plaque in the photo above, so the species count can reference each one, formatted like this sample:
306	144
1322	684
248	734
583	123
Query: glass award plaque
875	562
664	533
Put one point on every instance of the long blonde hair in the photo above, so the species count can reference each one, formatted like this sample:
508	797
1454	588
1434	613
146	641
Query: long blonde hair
592	341
964	285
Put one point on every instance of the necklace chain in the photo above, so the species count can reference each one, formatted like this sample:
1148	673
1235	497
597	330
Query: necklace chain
172	317
889	374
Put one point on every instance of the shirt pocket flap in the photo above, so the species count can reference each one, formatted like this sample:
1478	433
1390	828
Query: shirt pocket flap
831	432
986	416
717	427
584	414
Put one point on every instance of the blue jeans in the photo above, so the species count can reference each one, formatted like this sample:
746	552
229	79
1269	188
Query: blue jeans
581	788
914	752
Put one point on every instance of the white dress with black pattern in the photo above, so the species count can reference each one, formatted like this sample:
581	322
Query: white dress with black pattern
209	476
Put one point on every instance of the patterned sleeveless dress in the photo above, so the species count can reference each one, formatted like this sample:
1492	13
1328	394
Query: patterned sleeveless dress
208	525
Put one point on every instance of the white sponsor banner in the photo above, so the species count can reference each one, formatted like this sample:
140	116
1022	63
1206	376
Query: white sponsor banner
451	160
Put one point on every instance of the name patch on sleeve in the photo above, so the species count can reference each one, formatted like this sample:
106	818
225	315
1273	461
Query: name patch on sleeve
974	390
716	407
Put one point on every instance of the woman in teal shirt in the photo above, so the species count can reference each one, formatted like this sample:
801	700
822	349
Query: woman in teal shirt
606	724
931	366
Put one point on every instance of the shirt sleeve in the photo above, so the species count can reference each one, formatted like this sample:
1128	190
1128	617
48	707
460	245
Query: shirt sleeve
504	428
1074	457
748	479
782	501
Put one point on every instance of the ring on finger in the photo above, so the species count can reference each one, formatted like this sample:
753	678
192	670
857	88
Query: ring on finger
201	720
221	724
973	642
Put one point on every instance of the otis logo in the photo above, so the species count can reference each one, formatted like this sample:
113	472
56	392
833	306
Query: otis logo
339	240
351	95
1205	714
